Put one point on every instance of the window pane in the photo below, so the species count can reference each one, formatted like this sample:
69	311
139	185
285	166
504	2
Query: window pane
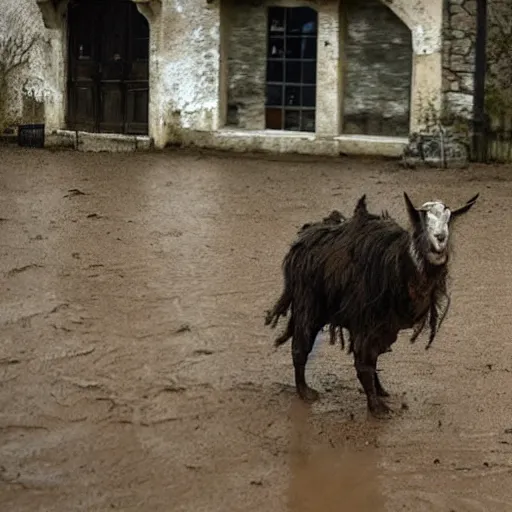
293	72
309	72
291	83
308	96
276	19
274	95
292	95
308	121
309	27
309	48
301	20
276	48
292	120
274	71
293	47
274	119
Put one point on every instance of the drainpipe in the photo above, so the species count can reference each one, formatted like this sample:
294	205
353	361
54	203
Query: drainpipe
479	117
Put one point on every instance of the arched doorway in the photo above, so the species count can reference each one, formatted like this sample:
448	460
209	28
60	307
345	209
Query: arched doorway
108	67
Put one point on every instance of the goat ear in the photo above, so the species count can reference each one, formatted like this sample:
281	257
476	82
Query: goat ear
465	208
411	210
361	205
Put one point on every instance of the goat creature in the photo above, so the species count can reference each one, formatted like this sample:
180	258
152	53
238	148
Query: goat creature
370	276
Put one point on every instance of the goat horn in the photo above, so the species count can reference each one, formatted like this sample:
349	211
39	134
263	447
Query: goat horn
467	206
408	201
361	204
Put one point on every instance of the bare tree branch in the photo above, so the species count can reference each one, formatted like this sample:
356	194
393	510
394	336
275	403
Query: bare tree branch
17	41
15	52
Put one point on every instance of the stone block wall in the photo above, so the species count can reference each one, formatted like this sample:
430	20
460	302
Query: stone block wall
498	92
246	64
459	40
377	68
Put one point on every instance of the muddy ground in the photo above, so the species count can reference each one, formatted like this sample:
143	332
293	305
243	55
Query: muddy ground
136	373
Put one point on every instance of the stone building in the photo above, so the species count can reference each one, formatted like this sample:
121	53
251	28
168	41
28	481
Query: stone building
310	76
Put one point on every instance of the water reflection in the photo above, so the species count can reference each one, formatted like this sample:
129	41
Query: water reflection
331	475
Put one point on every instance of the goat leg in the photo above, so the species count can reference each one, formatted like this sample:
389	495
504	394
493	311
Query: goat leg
378	387
301	347
306	393
366	368
384	346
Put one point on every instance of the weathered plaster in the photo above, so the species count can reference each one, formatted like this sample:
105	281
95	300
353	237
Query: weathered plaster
39	80
328	75
424	19
186	69
427	84
53	12
150	9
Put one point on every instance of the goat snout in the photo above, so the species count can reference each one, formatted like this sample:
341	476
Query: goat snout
441	237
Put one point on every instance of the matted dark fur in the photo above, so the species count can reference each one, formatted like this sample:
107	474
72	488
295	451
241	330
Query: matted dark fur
283	304
360	274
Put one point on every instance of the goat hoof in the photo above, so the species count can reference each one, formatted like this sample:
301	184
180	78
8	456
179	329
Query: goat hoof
379	409
308	394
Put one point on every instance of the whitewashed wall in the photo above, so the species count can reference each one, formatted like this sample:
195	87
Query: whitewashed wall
37	78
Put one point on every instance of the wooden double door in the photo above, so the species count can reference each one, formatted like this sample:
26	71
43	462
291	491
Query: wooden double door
108	71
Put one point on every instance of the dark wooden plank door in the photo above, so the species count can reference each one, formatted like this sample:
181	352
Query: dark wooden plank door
114	60
108	67
83	66
137	80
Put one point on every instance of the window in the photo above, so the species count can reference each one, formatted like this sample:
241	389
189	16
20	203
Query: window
291	69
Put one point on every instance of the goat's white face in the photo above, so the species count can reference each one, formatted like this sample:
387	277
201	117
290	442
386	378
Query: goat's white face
431	222
436	218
